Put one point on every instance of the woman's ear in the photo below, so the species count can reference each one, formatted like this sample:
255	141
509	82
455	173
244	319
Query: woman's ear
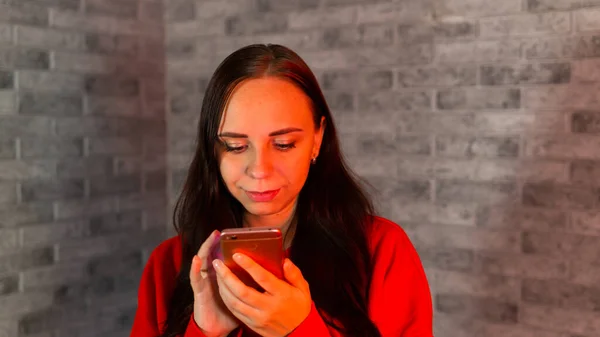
319	137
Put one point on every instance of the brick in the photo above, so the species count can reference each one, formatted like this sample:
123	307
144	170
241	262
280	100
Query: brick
49	39
585	71
145	201
8	193
48	234
285	6
116	8
497	287
88	126
566	147
452	99
544	73
363	35
475	7
475	191
394	101
155	181
207	27
560	195
477	307
463	237
585	122
561	294
79	208
349	80
8	102
437	76
48	147
61	4
102	24
111	44
180	10
6	33
49	81
343	101
519	217
9	285
23	214
317	18
587	223
255	24
84	167
24	59
544	5
50	104
391	12
584	272
586	19
18	304
372	57
101	186
52	318
437	31
6	80
155	219
116	223
9	242
181	49
446	259
585	248
52	190
469	147
24	14
151	11
86	63
479	51
557	319
562	47
464	326
26	259
8	149
111	86
27	169
390	144
182	145
526	24
521	265
127	165
115	264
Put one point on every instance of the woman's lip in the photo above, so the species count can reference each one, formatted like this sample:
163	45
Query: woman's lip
262	196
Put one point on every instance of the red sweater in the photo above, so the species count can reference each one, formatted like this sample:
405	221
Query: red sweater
400	299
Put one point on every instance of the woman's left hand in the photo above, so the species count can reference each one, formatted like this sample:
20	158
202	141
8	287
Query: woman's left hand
274	313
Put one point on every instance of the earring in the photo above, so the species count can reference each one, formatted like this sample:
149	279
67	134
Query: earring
313	160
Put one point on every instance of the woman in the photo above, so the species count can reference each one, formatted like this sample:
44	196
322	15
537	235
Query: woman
268	155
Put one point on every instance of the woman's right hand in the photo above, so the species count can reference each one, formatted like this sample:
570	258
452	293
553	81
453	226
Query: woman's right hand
210	313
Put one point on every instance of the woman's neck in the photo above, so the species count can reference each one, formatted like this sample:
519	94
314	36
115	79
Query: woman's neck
283	220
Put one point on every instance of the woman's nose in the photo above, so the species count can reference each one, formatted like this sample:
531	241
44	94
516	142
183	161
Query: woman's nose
260	165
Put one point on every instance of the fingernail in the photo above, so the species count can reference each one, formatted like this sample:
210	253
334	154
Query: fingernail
238	257
217	264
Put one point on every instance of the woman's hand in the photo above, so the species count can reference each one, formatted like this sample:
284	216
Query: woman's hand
274	313
210	313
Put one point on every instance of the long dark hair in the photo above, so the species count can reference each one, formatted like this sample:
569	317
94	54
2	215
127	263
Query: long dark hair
333	212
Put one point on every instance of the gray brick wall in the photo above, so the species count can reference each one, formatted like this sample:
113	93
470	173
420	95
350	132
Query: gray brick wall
477	119
82	162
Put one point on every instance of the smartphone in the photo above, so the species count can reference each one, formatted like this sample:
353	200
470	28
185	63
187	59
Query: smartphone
263	245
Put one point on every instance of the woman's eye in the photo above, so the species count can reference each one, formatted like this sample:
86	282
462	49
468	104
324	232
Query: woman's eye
235	149
286	146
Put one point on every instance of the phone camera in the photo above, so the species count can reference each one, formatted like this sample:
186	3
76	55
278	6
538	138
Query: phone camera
233	237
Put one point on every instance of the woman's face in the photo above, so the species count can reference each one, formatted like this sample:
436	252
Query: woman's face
268	138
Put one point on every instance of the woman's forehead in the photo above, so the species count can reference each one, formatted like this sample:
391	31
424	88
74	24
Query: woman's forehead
269	102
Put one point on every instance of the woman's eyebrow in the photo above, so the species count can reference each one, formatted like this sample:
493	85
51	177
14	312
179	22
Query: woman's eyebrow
272	134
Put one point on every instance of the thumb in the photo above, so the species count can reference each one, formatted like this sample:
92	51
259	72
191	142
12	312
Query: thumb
294	276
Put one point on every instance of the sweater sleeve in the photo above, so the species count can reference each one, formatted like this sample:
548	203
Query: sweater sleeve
400	303
152	303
